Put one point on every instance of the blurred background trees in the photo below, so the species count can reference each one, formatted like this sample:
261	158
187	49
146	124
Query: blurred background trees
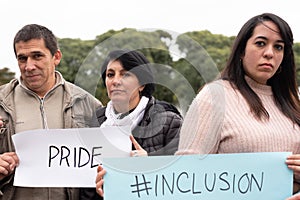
182	63
6	75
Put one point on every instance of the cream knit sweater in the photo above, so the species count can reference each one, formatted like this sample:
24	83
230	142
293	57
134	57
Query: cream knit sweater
219	121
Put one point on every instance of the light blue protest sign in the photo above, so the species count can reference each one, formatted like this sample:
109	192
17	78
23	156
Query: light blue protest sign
248	176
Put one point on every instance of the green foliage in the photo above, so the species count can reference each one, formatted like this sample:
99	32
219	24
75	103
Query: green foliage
217	46
197	65
201	56
6	75
297	60
74	51
149	43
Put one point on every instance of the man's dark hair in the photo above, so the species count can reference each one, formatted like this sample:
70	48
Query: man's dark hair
35	31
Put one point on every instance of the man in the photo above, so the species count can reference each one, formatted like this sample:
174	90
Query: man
40	99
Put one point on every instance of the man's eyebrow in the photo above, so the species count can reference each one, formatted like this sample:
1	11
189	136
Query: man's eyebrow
21	55
31	53
36	52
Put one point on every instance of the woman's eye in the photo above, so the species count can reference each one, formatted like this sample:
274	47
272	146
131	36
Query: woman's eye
260	43
279	47
126	74
109	75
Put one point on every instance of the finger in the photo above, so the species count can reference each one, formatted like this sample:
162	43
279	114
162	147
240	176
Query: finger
99	168
296	169
294	197
99	188
6	161
4	171
294	157
13	154
11	158
15	158
138	153
100	175
293	162
135	143
134	153
5	167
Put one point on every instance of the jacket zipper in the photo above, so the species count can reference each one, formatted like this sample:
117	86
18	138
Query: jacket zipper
42	109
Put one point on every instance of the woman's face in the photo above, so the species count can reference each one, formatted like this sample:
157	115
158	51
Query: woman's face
123	87
263	53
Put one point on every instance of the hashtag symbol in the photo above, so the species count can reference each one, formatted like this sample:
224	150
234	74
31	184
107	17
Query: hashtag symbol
141	186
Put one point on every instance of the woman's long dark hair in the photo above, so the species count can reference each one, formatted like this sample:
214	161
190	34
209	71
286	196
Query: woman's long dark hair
284	84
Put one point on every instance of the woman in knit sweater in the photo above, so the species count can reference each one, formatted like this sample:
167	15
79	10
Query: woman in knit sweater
254	106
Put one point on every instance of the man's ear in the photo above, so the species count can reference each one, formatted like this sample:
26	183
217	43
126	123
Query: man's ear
57	57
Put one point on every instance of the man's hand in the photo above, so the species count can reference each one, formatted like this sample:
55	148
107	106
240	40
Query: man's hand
8	163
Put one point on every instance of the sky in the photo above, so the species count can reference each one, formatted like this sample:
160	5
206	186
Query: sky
89	18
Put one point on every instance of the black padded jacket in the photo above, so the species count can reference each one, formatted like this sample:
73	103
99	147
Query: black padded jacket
158	131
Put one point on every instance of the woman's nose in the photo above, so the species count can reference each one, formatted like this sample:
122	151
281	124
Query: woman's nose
269	52
117	80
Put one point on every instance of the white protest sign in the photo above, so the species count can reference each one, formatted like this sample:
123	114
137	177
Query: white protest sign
66	157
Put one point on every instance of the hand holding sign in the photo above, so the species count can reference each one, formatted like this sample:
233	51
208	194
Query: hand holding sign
294	197
101	172
99	180
214	176
139	151
293	162
8	162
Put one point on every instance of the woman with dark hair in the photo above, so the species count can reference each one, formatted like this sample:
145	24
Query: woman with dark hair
129	81
254	105
155	124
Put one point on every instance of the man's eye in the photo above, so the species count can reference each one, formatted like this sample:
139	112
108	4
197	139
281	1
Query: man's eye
37	56
22	59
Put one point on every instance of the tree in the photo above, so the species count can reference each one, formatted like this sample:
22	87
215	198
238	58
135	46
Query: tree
149	43
200	57
297	60
217	46
74	52
6	75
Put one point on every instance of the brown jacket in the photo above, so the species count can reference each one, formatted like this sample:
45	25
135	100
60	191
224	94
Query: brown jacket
79	107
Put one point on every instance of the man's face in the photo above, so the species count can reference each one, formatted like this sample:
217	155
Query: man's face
37	65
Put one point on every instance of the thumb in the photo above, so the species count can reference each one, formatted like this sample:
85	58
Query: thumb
135	143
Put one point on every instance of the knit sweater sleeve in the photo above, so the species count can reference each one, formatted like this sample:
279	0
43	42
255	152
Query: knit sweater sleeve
200	132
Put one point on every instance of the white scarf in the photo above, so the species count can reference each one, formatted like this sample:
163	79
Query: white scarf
132	119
